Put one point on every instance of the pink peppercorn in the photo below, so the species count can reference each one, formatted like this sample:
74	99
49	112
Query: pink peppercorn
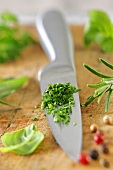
83	158
99	138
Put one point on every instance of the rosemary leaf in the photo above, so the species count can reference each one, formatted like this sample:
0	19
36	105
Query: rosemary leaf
89	100
108	100
96	85
100	97
106	63
96	72
100	90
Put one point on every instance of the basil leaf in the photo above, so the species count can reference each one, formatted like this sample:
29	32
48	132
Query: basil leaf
90	33
100	21
99	29
23	141
106	43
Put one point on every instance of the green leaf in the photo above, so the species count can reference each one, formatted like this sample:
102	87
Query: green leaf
101	95
89	100
89	33
23	141
96	72
8	17
99	29
108	100
100	21
13	39
8	86
96	85
106	63
106	43
100	90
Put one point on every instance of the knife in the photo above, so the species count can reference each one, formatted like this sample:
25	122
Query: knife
56	40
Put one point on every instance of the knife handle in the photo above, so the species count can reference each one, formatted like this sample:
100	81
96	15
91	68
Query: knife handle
55	37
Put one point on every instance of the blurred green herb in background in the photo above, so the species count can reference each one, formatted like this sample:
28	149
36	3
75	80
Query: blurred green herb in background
99	29
10	85
12	38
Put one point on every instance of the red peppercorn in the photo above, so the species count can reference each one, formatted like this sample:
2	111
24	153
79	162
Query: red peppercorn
99	138
83	158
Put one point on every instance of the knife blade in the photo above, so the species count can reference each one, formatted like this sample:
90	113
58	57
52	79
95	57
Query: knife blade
56	40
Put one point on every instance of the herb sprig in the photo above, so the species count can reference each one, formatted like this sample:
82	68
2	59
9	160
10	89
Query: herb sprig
12	38
58	100
105	85
10	85
99	29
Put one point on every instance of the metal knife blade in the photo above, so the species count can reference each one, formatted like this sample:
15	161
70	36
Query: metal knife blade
56	41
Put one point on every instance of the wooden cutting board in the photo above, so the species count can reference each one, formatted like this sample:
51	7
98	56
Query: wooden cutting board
49	156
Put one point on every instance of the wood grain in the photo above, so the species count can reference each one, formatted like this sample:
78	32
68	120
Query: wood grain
49	155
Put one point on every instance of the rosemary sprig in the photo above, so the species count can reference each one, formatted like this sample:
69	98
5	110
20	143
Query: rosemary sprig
105	85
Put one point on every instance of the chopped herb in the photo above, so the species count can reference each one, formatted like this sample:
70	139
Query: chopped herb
36	107
74	123
34	118
105	85
12	38
58	100
99	29
90	115
23	141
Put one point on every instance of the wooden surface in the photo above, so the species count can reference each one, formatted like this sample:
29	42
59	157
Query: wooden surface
48	155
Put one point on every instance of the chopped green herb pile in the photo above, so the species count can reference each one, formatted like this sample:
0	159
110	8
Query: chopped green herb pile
12	38
105	85
99	29
23	141
58	101
10	85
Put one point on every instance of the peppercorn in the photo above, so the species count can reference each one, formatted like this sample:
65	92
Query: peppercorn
94	154
93	128
83	158
108	120
99	138
104	149
104	163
